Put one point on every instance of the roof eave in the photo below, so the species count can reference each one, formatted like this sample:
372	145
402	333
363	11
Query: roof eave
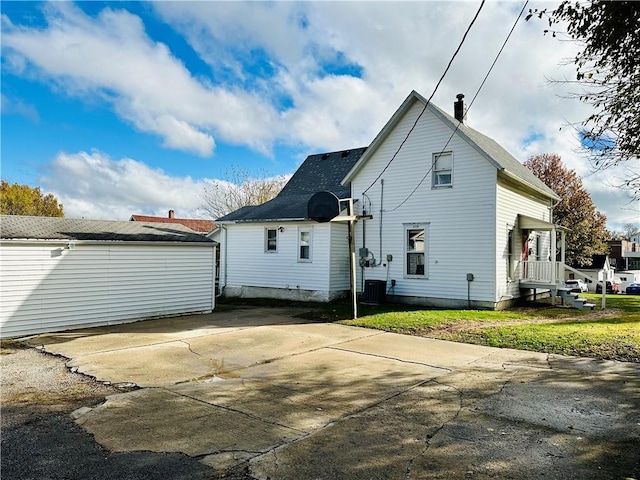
519	180
264	220
201	243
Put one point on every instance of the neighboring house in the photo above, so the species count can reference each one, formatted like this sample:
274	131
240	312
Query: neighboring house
59	274
274	250
200	226
627	277
624	255
446	217
590	272
457	220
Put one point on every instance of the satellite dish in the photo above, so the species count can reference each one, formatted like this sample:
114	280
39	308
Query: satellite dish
323	206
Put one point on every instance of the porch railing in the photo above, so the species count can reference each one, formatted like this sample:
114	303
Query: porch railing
541	271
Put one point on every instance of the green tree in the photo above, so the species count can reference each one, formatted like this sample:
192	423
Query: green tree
587	235
25	200
239	190
608	74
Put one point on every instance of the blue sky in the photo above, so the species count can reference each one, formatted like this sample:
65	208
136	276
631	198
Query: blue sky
136	107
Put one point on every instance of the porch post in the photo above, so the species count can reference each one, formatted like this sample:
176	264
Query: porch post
554	253
553	266
562	252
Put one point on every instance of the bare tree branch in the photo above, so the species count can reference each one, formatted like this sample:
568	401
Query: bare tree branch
238	190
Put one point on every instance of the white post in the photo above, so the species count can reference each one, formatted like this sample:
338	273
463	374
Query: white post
563	246
554	290
352	257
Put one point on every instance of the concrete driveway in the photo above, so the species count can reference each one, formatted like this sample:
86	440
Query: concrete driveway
300	400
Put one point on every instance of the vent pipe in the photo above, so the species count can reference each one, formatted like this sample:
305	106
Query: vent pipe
458	108
171	214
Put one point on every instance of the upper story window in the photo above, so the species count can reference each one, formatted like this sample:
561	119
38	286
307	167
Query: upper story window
270	239
443	169
304	245
415	243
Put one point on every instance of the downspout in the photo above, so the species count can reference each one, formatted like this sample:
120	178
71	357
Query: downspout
364	241
380	222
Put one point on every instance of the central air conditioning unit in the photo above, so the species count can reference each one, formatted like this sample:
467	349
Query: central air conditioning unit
375	292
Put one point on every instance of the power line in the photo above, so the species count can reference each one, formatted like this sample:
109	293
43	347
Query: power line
468	108
432	94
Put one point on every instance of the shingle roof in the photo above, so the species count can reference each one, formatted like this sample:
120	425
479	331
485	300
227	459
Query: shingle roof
202	226
51	228
503	159
320	172
486	146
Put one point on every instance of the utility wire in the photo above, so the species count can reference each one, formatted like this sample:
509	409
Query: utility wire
468	108
429	100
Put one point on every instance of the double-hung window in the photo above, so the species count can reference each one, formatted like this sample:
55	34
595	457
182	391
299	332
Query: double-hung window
510	250
415	246
270	240
304	244
442	169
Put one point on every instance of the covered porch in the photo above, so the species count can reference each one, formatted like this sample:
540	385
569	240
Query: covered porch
542	271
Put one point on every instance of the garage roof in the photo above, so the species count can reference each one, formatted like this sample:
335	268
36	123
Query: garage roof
51	228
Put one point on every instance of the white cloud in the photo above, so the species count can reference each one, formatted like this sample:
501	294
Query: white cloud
111	56
396	46
92	185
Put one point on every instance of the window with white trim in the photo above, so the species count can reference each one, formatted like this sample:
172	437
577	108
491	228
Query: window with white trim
510	250
442	169
415	247
304	244
270	240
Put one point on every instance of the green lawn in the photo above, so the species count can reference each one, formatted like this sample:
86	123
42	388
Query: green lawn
612	334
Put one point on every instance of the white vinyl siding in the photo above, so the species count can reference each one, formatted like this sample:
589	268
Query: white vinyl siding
247	266
461	231
511	202
46	287
339	258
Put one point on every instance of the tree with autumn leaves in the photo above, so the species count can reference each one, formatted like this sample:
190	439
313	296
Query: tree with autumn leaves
607	77
587	233
16	199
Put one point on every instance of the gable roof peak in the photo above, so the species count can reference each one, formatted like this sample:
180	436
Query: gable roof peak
488	148
319	172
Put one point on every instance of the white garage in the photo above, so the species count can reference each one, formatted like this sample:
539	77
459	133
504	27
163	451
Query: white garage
60	274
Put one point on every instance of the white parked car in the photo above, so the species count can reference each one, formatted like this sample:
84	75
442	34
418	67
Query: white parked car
576	285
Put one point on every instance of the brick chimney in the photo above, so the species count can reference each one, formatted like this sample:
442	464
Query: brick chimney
458	108
172	214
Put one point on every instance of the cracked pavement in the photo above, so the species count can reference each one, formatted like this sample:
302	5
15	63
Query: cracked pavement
289	399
